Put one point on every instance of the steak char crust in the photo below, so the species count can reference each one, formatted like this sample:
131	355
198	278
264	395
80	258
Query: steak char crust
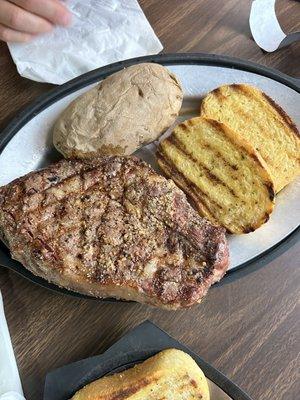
112	227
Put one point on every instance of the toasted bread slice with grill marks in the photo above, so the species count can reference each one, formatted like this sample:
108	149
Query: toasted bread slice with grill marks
170	374
263	123
222	173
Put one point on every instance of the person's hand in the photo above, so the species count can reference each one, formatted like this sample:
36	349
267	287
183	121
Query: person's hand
21	20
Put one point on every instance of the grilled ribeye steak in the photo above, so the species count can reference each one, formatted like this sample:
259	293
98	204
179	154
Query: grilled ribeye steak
112	227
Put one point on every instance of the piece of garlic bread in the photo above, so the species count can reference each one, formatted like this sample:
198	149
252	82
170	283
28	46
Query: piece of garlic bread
222	174
263	123
170	374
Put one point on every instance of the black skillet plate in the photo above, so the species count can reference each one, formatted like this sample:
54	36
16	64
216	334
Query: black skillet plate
52	98
136	346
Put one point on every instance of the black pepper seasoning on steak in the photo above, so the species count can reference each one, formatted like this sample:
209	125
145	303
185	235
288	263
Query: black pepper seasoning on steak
112	227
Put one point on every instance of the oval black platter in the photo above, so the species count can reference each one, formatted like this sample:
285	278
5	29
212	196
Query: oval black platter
89	78
136	346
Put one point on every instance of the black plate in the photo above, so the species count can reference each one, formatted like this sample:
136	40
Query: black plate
82	81
136	346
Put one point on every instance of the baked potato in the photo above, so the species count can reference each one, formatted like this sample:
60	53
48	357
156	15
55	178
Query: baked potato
125	111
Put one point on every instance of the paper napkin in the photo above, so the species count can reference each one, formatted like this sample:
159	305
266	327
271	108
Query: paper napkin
264	25
10	384
102	32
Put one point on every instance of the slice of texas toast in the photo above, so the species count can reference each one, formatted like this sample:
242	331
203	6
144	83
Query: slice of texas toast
224	176
170	374
263	123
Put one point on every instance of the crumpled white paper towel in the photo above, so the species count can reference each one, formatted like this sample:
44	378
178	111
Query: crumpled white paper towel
12	396
102	32
10	384
264	25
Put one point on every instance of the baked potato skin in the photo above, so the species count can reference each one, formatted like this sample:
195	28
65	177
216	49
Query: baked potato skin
127	110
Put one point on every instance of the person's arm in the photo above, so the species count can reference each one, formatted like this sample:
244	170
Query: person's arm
21	20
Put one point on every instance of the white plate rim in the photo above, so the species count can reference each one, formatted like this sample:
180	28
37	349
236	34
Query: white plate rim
46	100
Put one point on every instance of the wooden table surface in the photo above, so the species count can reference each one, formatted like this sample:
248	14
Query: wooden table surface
247	326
